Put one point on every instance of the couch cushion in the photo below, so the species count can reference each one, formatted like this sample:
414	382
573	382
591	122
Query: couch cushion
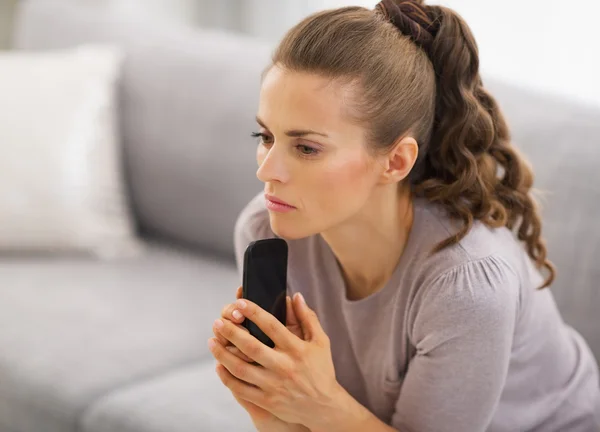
185	400
188	100
561	140
72	331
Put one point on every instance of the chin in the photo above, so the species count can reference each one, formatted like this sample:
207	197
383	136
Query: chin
288	229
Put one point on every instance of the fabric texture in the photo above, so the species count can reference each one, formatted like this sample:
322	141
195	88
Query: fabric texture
460	340
560	139
62	183
188	399
187	103
74	330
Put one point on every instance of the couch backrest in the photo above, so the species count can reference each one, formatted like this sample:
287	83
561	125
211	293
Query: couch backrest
188	103
562	141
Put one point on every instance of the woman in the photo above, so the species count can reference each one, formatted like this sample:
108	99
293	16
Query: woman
412	236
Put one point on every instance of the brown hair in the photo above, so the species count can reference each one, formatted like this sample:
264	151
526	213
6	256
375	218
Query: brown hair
424	80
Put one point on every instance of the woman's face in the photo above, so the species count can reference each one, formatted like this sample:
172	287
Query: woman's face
310	156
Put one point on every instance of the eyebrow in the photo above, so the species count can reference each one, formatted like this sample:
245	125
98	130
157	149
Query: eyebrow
295	132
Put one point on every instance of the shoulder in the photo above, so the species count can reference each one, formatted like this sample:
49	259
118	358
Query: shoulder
433	225
474	300
475	282
483	248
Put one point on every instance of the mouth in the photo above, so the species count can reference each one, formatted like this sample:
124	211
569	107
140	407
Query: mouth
277	204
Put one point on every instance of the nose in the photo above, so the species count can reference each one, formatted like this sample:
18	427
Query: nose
272	166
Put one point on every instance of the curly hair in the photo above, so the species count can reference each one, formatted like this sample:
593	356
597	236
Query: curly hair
415	69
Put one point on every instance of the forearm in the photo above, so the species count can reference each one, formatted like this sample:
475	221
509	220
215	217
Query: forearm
283	428
349	415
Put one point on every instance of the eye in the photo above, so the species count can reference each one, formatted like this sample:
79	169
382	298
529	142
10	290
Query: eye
264	138
307	150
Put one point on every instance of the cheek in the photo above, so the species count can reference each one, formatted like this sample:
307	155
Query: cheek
342	187
330	193
347	177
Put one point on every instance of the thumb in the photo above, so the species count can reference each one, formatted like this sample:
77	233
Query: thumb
308	319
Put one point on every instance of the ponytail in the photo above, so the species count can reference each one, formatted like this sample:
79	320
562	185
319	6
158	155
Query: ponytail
470	167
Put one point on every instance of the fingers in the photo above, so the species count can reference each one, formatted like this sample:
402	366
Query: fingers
222	338
309	321
232	313
252	347
242	370
228	313
269	324
236	352
238	387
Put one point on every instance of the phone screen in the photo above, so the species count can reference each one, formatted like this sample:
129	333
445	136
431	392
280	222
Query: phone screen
265	282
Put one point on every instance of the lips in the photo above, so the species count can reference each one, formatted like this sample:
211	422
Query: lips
277	200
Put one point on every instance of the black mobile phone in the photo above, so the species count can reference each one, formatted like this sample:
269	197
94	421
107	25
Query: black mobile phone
265	281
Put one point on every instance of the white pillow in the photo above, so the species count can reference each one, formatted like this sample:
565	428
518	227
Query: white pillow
61	180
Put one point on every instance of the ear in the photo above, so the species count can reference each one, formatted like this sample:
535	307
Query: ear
400	160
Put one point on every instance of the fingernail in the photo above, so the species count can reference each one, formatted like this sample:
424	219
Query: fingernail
301	297
211	344
236	314
241	304
218	323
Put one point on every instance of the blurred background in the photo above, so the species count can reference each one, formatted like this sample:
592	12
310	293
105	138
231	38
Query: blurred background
538	43
126	158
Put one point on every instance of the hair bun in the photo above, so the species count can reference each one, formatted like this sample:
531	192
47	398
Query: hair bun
412	18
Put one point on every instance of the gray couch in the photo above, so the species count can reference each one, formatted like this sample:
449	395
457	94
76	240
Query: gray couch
119	346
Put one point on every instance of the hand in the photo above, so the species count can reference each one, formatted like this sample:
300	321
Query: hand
263	420
295	381
226	314
292	324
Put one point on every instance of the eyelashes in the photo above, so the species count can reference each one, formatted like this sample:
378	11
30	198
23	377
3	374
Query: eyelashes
303	149
260	135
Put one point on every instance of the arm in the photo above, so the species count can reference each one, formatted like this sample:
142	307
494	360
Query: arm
463	331
351	416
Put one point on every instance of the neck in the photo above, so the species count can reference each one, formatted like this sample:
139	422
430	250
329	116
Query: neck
368	246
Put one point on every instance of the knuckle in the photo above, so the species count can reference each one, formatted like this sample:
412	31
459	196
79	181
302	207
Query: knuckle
254	350
288	372
270	400
240	370
227	330
254	314
299	352
274	326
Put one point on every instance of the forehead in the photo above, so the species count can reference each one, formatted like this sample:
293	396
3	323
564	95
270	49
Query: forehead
287	96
